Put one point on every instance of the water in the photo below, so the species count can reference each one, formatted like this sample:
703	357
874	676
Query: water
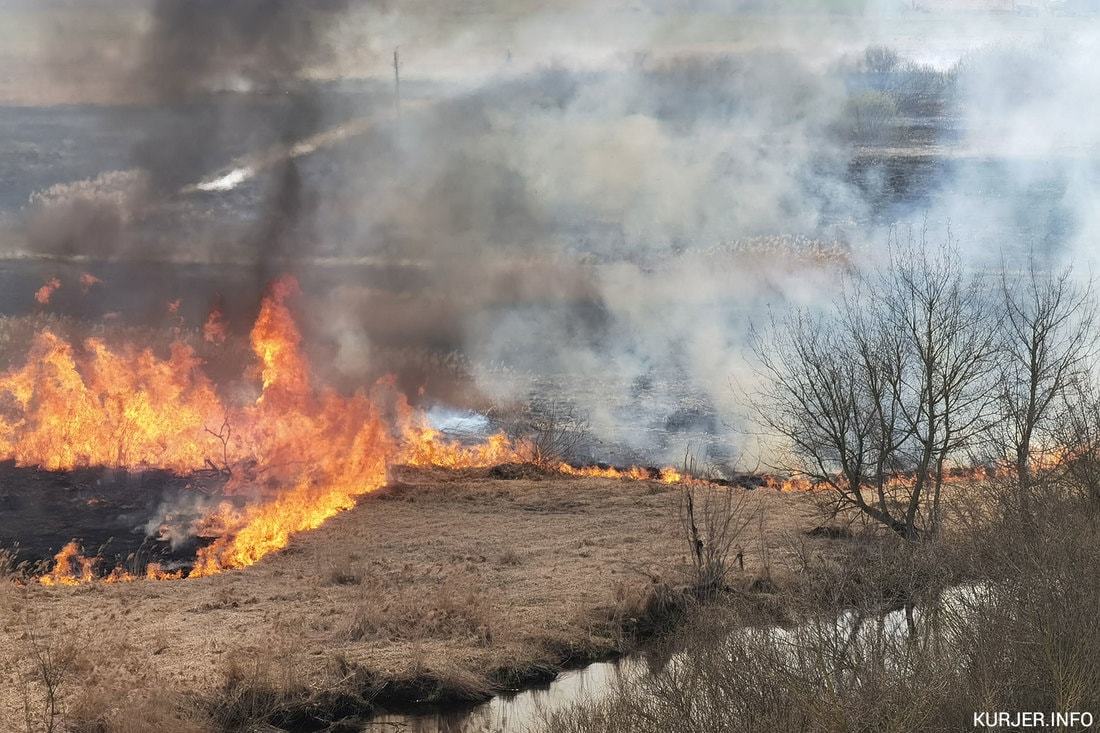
507	713
527	710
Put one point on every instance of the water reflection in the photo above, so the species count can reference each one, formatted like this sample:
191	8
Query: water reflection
506	714
847	638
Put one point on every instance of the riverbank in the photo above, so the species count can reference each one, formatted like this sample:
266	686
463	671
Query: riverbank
1022	638
442	587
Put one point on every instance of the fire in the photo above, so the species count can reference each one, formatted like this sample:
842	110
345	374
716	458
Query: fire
215	330
295	452
666	475
425	446
320	449
70	567
788	483
44	293
127	408
121	408
88	281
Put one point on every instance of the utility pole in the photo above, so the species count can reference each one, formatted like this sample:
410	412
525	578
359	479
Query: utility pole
397	81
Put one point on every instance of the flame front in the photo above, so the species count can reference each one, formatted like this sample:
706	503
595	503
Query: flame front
120	408
314	450
295	453
320	449
70	567
426	446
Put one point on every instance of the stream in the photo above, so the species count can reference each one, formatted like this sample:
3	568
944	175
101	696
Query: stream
522	711
526	710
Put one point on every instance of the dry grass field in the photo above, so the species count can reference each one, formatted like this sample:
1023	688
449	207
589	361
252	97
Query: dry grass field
444	585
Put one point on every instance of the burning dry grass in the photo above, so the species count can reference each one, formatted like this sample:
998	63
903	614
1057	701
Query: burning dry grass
446	585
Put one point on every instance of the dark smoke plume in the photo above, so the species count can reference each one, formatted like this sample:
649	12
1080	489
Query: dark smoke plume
221	76
198	50
199	46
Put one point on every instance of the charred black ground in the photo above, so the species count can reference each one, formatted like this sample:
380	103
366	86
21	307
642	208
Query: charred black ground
105	510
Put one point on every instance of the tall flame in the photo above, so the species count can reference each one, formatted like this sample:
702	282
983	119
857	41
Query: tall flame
70	567
296	454
123	407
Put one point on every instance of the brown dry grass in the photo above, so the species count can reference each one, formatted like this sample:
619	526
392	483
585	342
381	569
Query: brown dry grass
444	584
1024	637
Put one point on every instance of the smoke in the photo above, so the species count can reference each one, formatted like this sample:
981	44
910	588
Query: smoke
585	198
219	76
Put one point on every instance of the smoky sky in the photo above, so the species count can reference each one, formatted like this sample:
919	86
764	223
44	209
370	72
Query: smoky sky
580	191
198	49
222	79
198	46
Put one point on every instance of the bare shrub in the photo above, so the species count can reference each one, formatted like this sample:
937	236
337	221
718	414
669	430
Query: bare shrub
712	521
42	667
555	431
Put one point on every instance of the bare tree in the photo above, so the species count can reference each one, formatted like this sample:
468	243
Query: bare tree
941	316
893	377
1047	341
1078	431
820	400
554	431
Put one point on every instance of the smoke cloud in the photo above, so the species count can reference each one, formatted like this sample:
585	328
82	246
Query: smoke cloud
590	199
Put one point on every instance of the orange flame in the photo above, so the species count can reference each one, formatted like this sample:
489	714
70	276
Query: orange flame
119	408
667	475
44	293
321	449
128	408
88	281
70	567
425	446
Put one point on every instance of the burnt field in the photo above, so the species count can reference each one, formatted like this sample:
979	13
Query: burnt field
108	511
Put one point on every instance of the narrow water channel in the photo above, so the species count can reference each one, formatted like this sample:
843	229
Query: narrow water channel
524	711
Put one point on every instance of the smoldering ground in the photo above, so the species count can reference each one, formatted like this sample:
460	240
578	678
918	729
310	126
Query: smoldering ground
583	195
